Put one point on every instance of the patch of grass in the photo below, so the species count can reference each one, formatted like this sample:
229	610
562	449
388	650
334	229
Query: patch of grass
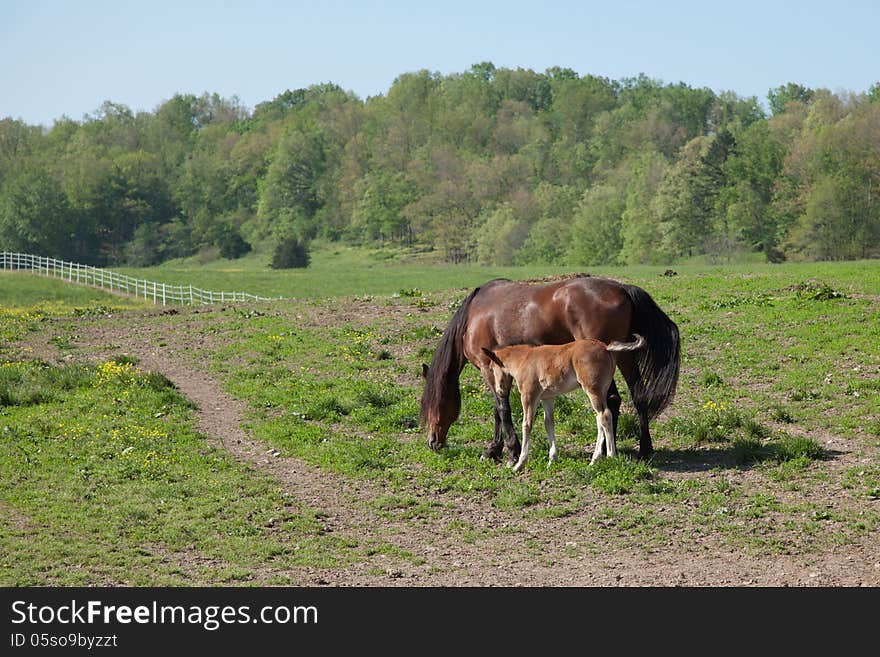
759	300
24	291
620	475
864	480
24	383
780	413
817	291
710	379
798	451
517	494
627	427
713	422
103	469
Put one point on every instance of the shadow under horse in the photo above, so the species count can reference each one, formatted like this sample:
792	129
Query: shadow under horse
504	312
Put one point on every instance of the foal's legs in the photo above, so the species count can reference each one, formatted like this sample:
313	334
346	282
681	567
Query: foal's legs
550	427
530	409
511	442
493	451
603	419
605	436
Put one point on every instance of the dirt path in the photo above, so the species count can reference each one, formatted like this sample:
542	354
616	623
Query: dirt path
506	548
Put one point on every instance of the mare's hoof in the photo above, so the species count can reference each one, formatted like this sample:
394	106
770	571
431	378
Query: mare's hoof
488	455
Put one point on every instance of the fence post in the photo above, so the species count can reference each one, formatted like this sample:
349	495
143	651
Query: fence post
163	294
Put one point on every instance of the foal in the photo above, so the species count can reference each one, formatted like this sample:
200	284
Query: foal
544	372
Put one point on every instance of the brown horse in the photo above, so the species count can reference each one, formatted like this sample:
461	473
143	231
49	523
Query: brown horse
544	372
503	312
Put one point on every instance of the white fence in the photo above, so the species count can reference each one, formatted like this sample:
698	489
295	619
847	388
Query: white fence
120	283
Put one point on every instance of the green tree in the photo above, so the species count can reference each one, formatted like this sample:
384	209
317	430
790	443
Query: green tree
500	235
752	171
550	235
36	216
289	193
290	253
17	143
378	213
595	236
688	195
577	102
834	170
640	225
780	97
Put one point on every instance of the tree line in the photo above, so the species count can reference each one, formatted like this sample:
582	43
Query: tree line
493	165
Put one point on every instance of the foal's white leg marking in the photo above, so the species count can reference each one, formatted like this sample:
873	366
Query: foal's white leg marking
529	413
608	431
597	452
550	427
601	414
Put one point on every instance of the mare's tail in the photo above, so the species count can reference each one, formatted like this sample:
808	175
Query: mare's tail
658	364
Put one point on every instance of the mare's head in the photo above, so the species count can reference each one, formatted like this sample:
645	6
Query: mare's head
440	405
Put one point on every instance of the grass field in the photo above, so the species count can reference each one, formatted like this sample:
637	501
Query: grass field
102	463
338	270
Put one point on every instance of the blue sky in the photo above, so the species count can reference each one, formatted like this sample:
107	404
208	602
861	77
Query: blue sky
65	58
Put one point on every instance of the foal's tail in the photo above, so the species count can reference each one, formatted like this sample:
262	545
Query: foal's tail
659	362
636	345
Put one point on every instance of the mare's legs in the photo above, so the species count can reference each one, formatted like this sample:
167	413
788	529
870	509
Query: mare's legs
505	433
493	451
550	427
627	365
613	402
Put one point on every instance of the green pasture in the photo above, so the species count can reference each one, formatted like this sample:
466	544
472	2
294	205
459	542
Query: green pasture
25	291
780	371
335	270
768	355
